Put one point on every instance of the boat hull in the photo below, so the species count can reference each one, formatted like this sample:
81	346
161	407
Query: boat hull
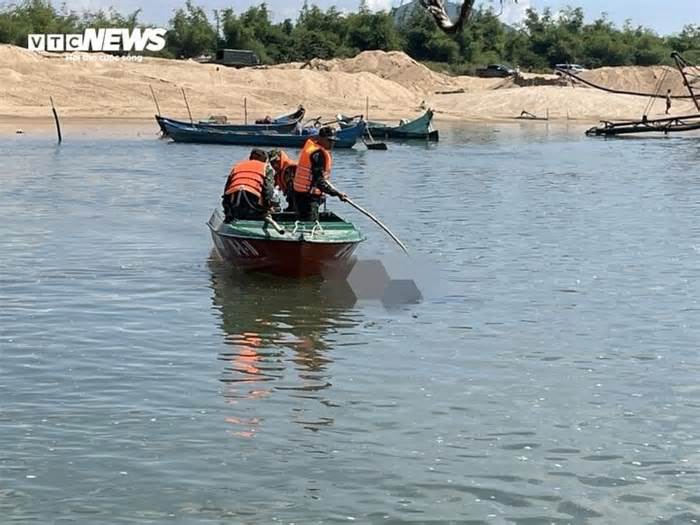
300	252
286	127
417	129
391	133
346	138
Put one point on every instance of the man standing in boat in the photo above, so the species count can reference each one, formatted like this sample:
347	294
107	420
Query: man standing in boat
249	190
313	173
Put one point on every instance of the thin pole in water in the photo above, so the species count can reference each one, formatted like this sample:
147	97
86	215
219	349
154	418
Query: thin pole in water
367	109
154	99
368	214
187	104
58	123
245	109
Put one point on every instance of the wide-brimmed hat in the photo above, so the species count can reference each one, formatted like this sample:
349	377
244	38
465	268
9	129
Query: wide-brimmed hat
328	133
257	153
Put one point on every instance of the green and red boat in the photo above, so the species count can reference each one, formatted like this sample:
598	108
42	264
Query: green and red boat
286	246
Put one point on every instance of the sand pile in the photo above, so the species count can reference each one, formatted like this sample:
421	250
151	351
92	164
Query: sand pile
638	79
395	84
396	66
103	88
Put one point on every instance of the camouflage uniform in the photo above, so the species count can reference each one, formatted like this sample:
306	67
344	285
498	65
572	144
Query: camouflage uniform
306	204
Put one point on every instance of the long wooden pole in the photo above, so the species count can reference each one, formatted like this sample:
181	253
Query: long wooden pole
187	104
619	91
269	220
245	109
58	123
682	64
154	99
368	214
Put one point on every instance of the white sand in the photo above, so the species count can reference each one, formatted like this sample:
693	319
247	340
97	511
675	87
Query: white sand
118	91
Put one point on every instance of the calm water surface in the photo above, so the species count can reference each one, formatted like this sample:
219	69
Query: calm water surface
552	377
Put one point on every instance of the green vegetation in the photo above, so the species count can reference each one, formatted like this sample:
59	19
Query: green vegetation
542	40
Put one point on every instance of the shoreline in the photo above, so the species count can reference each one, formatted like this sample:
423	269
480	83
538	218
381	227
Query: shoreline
115	98
115	127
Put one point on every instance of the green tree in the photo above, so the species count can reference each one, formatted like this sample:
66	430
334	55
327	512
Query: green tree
319	34
34	16
687	43
191	33
367	30
110	18
423	41
539	42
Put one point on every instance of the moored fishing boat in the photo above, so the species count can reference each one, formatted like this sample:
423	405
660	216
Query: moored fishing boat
283	124
346	138
418	128
303	249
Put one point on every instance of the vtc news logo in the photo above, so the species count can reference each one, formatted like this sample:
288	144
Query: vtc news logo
111	39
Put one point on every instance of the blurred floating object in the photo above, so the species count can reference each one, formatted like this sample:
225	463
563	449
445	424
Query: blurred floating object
368	279
19	132
338	294
401	292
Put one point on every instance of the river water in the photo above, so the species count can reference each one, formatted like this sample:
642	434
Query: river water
549	375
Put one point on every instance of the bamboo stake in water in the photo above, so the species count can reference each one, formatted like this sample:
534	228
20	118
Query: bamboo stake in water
155	99
58	124
245	109
186	104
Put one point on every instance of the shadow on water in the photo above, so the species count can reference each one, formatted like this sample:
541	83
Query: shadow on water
279	336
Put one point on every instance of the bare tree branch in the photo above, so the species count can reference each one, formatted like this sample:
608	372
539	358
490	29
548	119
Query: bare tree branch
437	9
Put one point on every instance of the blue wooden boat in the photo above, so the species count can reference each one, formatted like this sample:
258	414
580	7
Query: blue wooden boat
283	124
346	138
419	128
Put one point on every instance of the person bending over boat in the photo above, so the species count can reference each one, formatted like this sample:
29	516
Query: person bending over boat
249	189
312	177
284	174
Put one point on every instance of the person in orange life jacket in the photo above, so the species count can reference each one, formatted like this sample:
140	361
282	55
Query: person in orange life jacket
312	177
284	174
249	189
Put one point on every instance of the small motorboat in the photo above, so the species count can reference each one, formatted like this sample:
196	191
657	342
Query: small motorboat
418	128
286	246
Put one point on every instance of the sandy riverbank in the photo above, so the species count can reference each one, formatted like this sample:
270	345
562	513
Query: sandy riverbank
91	95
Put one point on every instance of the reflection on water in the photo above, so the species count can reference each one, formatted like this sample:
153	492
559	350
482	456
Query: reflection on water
279	335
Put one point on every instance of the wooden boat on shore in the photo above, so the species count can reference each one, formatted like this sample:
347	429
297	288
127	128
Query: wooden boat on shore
346	138
661	125
418	128
671	124
282	124
303	249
